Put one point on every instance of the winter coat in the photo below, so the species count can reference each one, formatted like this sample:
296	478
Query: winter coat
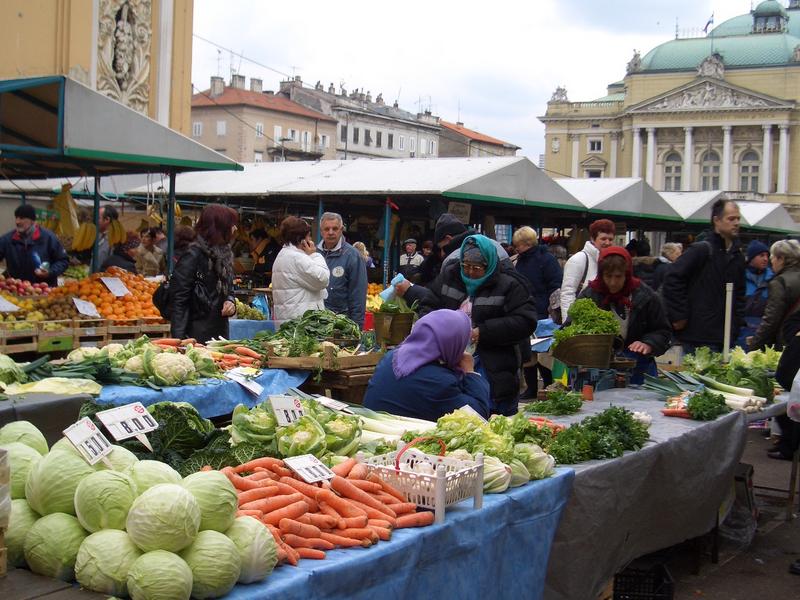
347	286
505	315
432	265
650	269
756	294
542	271
23	255
264	256
150	263
121	260
299	283
647	321
784	292
694	289
190	317
428	393
579	263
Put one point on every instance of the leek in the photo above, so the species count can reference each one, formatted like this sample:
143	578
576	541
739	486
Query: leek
724	387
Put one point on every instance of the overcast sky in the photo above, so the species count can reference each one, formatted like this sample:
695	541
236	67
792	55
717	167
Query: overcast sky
492	65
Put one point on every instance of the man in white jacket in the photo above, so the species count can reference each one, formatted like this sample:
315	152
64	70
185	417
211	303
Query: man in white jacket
581	267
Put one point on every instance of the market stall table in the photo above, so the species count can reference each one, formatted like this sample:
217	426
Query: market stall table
665	493
50	413
245	329
497	551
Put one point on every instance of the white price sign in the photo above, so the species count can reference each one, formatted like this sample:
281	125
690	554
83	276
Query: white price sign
115	286
287	409
333	404
86	308
309	468
6	306
244	377
131	420
89	441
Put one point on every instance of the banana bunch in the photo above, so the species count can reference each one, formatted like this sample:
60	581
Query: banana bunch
374	303
116	233
84	237
64	204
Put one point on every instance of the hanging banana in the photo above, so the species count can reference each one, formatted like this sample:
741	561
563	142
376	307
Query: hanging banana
67	210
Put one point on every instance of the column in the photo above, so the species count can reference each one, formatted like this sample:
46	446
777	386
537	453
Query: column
636	164
688	159
727	159
612	168
576	148
765	175
783	160
651	155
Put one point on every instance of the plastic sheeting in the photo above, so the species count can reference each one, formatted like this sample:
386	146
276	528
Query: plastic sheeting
212	398
666	493
498	551
243	329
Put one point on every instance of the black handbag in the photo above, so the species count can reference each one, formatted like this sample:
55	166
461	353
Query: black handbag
161	299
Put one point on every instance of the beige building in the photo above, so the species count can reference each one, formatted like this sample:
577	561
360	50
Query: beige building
251	125
136	51
718	112
457	140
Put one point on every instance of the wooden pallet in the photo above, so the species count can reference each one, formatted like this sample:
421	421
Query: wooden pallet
91	332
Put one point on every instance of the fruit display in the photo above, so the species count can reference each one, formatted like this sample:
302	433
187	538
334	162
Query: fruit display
20	287
84	237
77	272
374	303
137	304
243	311
373	289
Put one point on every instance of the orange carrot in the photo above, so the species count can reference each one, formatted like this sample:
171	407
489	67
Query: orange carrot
344	542
352	522
344	507
263	462
295	541
244	351
267	505
267	473
292	511
281	471
371	512
239	482
284	488
256	494
344	467
297	528
367	486
282	554
348	490
420	519
404	508
246	360
329	511
382	532
380	523
250	513
310	553
258	476
362	533
167	342
320	521
358	471
388	488
309	491
292	555
188	341
386	499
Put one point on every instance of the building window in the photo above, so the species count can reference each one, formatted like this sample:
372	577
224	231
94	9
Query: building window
355	135
390	140
293	135
748	172
221	128
412	142
343	133
259	157
432	149
277	134
595	145
594	174
324	141
367	137
672	172
306	141
197	128
378	139
709	171
259	130
401	144
423	146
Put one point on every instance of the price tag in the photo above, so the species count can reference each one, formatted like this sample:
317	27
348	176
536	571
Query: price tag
86	308
6	306
333	404
131	420
309	468
287	409
115	286
90	441
468	409
244	377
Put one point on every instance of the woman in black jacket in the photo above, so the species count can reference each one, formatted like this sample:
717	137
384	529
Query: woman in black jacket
499	302
124	255
643	321
201	288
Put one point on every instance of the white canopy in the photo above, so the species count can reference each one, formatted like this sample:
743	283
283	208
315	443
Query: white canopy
623	196
693	207
767	216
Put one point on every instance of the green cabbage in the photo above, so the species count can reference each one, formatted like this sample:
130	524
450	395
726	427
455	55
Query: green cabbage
519	474
24	432
147	473
539	464
160	575
165	517
52	482
496	475
343	434
255	425
215	564
52	544
103	499
121	458
21	458
216	497
304	436
104	560
10	371
22	519
257	548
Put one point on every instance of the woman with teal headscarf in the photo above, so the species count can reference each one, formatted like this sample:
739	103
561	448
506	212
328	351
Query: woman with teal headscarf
499	303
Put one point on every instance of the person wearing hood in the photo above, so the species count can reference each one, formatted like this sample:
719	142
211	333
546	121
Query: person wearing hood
643	321
581	267
784	295
757	276
498	300
125	254
430	374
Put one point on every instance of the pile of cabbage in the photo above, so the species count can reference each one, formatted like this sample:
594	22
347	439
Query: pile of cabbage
138	530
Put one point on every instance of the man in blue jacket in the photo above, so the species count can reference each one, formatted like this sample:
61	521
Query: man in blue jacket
32	252
347	288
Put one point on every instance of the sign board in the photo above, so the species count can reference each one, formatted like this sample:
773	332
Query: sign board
131	420
287	409
89	441
6	306
309	468
460	210
333	404
86	308
244	377
115	286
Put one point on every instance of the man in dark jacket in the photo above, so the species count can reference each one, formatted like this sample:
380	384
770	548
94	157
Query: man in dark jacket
32	252
694	287
347	289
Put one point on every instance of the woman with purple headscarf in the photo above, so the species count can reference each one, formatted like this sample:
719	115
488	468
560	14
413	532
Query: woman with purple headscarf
430	374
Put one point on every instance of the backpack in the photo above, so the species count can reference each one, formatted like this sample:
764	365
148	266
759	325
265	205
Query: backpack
161	298
554	302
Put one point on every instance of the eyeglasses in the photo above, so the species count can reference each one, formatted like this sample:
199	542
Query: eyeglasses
471	268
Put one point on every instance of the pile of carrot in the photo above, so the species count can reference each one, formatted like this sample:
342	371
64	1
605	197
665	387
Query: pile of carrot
354	509
232	355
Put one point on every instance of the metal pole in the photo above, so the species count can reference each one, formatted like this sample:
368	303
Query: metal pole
320	211
726	338
96	247
387	218
171	223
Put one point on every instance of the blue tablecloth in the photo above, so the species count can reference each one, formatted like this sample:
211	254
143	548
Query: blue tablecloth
243	329
499	551
212	398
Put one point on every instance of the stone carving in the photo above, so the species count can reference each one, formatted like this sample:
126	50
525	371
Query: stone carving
560	95
635	63
712	67
123	66
706	95
555	145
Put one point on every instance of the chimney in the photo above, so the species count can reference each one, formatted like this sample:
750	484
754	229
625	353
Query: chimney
318	86
217	86
369	96
237	81
379	100
269	93
331	89
255	85
395	105
459	124
298	80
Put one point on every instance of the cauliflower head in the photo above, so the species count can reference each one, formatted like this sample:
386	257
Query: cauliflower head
172	369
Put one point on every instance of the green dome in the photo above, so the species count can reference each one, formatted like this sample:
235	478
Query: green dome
769	8
741	25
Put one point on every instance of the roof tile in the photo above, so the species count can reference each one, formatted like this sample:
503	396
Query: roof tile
237	97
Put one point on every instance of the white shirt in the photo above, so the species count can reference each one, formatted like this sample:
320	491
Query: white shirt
572	284
299	283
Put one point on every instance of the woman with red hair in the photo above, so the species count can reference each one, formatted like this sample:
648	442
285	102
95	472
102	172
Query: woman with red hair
643	321
201	288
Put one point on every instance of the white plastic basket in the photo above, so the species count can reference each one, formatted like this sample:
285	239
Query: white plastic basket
453	480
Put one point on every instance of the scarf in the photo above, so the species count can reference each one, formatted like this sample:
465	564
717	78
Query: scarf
441	335
220	263
622	297
489	253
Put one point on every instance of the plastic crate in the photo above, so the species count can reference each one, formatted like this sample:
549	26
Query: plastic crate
655	583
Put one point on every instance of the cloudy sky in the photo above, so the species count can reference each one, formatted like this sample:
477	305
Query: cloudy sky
492	65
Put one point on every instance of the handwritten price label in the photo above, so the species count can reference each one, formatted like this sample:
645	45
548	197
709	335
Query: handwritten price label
115	286
131	420
86	308
89	441
287	409
309	468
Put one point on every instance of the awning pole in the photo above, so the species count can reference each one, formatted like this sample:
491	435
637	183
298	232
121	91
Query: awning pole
387	219
171	223
96	247
320	211
726	337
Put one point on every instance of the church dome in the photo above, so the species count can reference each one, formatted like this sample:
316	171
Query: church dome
769	8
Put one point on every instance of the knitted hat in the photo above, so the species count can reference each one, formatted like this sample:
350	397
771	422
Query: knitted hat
447	224
755	248
132	241
25	211
410	241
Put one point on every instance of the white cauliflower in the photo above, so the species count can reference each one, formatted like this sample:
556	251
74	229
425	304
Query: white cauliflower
135	364
172	369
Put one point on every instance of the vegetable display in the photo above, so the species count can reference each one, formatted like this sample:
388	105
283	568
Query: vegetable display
586	318
559	402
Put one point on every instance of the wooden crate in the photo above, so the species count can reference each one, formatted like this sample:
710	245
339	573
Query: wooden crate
328	361
91	332
3	554
18	329
122	331
52	339
20	343
155	327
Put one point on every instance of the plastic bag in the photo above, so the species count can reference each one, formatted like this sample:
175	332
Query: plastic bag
261	304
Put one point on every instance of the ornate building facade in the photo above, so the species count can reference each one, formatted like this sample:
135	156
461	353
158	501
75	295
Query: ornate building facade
718	112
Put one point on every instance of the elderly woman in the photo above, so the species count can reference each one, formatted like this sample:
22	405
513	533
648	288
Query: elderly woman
643	321
430	374
124	254
498	301
784	294
150	259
